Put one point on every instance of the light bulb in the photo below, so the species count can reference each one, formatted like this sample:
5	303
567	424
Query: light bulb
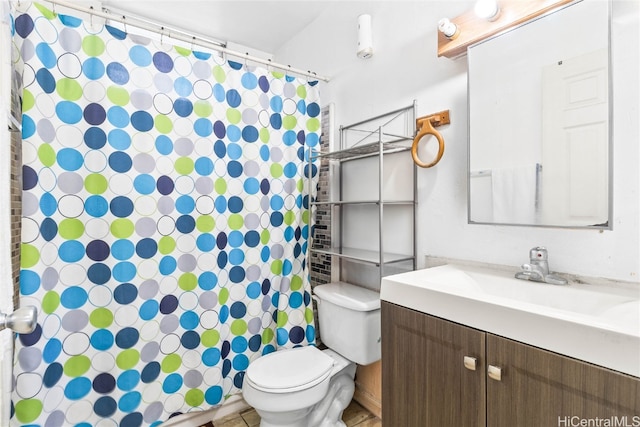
448	28
487	9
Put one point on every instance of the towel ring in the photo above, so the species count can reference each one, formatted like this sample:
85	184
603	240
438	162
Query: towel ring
426	128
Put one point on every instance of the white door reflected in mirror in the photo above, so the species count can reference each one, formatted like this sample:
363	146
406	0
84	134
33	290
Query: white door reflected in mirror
574	134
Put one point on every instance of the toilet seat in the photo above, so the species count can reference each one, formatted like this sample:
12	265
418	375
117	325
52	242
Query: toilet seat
290	370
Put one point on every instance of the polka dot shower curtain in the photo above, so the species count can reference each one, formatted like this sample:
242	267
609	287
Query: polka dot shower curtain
164	223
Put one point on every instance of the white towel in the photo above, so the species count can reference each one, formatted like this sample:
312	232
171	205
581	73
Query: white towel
514	194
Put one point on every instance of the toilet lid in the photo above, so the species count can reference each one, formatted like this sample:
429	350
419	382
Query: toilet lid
289	370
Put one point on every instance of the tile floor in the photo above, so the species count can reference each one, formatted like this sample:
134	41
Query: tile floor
354	416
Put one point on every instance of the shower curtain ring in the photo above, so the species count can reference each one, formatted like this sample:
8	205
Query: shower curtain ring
193	41
161	35
246	61
91	16
124	21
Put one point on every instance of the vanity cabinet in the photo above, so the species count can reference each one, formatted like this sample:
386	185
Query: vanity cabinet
429	379
423	381
542	388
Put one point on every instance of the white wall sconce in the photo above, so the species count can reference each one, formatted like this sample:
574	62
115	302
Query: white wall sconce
487	9
365	37
448	28
23	320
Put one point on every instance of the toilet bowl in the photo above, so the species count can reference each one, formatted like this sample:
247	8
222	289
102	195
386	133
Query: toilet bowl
308	387
300	387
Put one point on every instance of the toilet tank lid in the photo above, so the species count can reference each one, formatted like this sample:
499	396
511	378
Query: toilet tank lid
349	296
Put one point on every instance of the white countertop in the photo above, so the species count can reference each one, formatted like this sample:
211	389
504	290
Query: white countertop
596	323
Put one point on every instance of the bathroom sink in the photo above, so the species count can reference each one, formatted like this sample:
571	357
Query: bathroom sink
598	323
568	298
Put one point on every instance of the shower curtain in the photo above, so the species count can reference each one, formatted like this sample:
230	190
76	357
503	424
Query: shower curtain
165	223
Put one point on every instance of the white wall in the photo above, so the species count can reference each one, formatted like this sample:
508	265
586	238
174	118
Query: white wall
405	67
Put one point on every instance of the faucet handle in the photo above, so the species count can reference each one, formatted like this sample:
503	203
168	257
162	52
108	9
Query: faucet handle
539	253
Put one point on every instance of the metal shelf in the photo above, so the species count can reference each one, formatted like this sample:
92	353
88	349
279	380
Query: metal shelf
364	202
366	150
376	137
364	255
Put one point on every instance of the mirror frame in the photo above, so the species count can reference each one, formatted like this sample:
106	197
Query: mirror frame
608	225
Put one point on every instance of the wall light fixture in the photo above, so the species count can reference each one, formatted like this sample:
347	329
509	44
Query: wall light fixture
365	37
491	17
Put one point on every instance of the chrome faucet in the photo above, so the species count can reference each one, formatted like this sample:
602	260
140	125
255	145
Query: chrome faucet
537	269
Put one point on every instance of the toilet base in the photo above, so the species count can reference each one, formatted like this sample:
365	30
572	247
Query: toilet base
326	413
290	419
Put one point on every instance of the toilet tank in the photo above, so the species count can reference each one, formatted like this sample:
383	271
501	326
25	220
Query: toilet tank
349	319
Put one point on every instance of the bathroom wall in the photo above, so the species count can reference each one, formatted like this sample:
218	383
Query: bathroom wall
405	67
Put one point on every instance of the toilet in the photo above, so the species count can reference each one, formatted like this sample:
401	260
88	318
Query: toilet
308	387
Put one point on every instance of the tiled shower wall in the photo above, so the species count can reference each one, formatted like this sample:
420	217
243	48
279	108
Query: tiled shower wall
16	210
321	264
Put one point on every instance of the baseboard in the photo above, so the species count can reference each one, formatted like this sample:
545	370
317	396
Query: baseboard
368	401
232	405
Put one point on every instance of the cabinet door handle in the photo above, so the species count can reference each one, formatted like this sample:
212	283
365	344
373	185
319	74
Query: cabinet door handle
471	363
494	372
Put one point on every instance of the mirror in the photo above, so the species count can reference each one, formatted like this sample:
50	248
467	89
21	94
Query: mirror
539	113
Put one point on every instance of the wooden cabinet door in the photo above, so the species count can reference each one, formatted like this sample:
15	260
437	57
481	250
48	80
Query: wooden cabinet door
541	388
424	380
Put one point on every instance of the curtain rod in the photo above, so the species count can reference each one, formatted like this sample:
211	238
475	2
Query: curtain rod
184	37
